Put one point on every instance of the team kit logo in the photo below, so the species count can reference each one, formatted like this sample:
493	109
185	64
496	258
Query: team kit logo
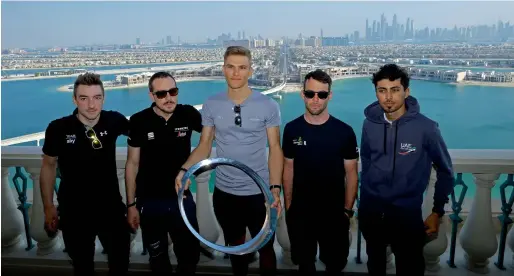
406	148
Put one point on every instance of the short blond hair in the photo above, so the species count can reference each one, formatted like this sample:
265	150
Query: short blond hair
238	51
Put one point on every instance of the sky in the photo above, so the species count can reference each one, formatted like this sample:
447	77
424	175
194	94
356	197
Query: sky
60	24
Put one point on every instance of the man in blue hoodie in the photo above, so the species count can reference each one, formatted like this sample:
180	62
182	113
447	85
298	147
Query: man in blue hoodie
399	147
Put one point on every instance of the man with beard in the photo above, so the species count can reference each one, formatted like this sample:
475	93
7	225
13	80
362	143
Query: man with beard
83	146
241	121
320	154
159	143
398	150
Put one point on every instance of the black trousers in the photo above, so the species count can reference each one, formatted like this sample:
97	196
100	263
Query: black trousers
234	214
329	230
404	231
80	226
160	218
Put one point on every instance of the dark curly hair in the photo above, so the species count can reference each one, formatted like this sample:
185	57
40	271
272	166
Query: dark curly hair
392	72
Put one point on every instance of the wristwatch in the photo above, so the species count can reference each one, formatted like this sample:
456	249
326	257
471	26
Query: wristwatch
349	212
271	187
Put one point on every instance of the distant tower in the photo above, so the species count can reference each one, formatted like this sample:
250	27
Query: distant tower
367	30
321	33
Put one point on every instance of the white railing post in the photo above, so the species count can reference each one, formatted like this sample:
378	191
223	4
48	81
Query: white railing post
12	218
389	258
437	247
204	212
478	236
45	244
510	244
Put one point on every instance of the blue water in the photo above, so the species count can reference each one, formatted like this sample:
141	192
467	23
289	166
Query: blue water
470	117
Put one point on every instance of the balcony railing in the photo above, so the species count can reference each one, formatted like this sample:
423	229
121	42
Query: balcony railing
476	234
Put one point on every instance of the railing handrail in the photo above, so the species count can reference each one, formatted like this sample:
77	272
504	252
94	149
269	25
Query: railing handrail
38	136
464	160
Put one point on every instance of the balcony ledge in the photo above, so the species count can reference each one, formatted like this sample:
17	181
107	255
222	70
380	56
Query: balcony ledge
30	263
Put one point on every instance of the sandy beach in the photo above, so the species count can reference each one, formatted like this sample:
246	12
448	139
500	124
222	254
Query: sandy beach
297	87
484	83
65	88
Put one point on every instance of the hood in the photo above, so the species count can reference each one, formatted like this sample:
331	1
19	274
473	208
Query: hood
375	113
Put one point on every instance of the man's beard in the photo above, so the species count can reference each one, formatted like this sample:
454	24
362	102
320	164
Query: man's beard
315	113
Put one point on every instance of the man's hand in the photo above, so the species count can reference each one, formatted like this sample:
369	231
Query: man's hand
277	204
133	218
51	221
432	224
178	182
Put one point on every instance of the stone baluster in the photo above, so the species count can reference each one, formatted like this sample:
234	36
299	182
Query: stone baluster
45	244
437	247
283	236
207	222
478	236
389	256
510	243
12	219
123	193
507	201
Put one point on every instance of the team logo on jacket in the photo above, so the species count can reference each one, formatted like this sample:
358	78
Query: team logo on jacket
406	148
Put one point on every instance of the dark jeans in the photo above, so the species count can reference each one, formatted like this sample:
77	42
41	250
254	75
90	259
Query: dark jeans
404	230
81	225
328	230
162	217
234	214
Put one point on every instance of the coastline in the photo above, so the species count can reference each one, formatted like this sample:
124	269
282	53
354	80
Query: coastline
122	71
65	88
297	87
452	67
484	83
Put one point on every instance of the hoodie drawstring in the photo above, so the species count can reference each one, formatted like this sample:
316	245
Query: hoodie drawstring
394	152
395	141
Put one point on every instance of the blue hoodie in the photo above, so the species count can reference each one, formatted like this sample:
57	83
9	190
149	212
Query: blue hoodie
397	159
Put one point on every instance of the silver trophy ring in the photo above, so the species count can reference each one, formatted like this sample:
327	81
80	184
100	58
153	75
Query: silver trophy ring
270	223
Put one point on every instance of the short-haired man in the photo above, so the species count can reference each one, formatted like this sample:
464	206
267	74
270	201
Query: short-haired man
83	146
399	147
241	121
318	142
159	143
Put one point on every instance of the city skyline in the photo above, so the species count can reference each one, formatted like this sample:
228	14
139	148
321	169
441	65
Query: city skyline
16	33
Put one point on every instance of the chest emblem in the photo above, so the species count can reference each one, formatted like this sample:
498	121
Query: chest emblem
406	148
299	142
70	138
181	131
